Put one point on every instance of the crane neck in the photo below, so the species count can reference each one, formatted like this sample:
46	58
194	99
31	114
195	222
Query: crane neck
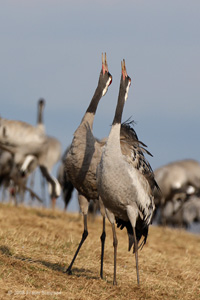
40	118
91	110
120	106
95	101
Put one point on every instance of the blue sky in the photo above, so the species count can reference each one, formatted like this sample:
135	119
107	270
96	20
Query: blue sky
52	49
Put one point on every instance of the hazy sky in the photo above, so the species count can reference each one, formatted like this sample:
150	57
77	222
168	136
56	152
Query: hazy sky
52	49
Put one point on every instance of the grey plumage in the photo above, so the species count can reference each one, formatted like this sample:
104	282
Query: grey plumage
30	147
83	156
125	183
179	181
21	139
65	183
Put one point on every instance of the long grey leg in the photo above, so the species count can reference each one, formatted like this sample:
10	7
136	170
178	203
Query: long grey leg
111	218
115	242
84	236
132	212
136	255
103	237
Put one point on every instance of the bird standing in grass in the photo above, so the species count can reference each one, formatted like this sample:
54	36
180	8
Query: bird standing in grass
125	183
83	157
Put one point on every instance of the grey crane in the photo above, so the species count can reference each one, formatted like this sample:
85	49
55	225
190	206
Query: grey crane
10	178
83	156
27	144
48	156
181	211
125	183
192	169
177	178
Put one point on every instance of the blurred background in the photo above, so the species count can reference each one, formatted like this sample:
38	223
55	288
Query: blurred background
52	50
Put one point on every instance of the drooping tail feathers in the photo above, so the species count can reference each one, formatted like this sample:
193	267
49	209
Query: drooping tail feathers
141	230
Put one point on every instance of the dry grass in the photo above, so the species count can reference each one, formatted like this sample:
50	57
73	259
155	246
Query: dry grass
36	245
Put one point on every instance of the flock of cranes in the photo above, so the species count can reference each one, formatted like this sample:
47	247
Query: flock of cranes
179	202
24	148
112	172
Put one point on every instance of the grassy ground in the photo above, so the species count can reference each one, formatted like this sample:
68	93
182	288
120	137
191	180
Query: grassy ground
37	244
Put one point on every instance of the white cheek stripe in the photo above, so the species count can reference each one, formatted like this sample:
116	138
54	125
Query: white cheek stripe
106	87
127	90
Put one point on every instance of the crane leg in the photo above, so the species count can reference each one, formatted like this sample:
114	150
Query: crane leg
84	236
103	237
136	255
115	242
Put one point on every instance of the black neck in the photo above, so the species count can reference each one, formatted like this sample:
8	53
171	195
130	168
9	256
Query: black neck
40	115
120	105
95	100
